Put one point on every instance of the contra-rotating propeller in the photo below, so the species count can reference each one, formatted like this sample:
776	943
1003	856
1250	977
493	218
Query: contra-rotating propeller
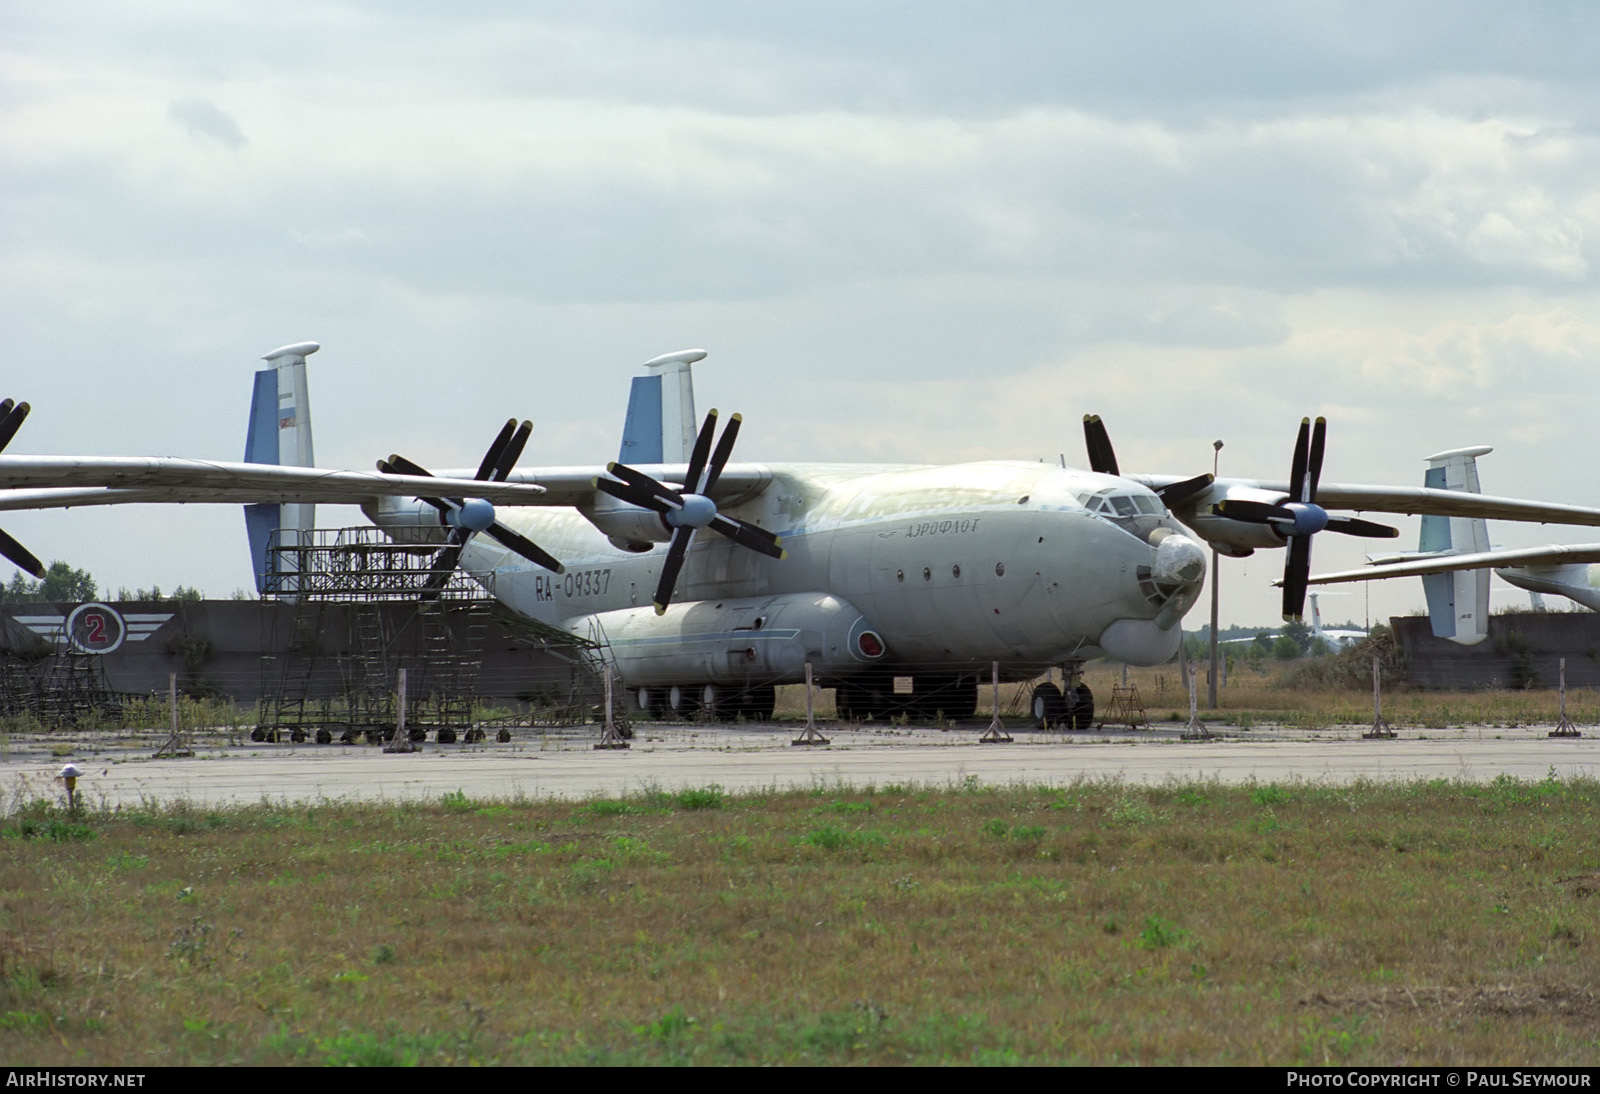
687	510
11	415
469	516
1300	518
1103	458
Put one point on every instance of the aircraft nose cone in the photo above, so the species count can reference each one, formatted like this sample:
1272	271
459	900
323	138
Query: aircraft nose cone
1179	561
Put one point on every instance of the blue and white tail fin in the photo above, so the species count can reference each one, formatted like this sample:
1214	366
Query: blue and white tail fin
279	433
661	424
1458	603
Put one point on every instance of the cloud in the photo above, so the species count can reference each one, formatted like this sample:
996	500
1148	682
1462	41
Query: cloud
205	121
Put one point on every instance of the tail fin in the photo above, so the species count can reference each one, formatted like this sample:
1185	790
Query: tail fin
1458	603
280	433
661	424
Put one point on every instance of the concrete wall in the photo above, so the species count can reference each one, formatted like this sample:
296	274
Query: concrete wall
217	646
1522	650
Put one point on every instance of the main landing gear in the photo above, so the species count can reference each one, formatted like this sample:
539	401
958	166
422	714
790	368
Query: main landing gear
712	702
1055	709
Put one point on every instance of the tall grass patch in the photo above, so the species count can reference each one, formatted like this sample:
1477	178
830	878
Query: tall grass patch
1434	922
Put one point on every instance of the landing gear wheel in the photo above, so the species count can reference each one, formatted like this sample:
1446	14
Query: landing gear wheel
712	703
1082	708
1049	708
324	737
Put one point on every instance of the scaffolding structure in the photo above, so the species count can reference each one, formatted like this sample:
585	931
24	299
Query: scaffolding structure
355	608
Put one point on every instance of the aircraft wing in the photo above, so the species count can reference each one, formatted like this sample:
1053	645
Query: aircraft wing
1404	499
54	482
575	485
1447	563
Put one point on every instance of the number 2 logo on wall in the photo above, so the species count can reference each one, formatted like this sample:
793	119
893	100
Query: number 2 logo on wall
95	628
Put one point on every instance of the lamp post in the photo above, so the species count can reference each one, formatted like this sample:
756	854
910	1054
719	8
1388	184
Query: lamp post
1211	682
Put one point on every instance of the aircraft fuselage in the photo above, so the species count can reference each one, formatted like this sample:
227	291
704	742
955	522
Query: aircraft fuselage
926	569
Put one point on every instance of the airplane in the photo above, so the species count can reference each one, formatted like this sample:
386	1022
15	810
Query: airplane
1454	559
1331	637
710	582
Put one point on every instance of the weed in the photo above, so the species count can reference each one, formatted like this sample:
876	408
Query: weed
705	797
1158	934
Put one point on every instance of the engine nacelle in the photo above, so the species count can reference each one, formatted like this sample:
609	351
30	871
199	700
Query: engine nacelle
629	527
765	639
1235	538
408	520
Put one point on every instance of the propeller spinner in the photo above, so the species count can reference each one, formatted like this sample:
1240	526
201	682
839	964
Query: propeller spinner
688	510
1300	518
469	516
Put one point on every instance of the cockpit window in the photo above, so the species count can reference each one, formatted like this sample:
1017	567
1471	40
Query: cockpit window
1139	512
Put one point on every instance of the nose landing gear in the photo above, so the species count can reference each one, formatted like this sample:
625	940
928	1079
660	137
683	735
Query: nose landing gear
1071	709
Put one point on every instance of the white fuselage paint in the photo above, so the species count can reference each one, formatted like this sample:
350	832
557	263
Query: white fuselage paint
954	567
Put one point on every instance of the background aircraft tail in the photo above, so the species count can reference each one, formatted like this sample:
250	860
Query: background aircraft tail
661	423
279	433
1458	603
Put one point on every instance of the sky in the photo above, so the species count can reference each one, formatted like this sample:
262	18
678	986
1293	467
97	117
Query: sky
922	231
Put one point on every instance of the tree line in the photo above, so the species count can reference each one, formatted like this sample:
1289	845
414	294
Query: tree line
62	584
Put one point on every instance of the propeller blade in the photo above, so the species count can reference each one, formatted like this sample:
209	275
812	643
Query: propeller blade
524	547
20	555
513	451
1102	457
748	535
406	467
1319	438
11	422
697	458
1177	493
640	481
643	497
719	458
670	567
1354	526
1297	472
1251	512
1295	572
444	564
492	457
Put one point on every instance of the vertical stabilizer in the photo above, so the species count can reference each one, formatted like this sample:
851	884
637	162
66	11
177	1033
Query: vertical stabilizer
1458	603
661	425
279	433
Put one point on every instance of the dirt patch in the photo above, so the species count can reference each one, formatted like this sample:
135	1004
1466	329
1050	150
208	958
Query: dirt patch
1563	1000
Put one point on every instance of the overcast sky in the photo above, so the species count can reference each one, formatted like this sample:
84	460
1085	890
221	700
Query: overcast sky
914	231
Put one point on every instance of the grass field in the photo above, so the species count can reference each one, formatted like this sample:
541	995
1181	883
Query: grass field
1269	924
